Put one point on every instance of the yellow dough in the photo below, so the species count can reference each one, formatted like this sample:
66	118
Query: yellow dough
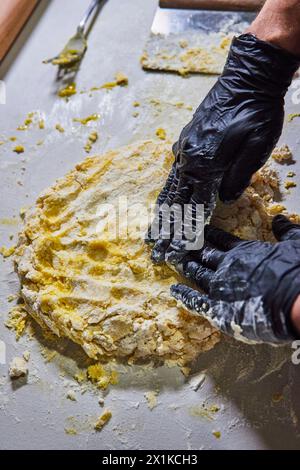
193	53
107	295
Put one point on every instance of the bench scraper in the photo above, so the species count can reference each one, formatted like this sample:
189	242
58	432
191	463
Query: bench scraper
195	35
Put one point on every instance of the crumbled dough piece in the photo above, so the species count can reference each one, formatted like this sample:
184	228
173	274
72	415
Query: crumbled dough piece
71	395
19	149
282	154
11	297
101	377
214	408
22	212
161	133
292	116
85	121
101	401
183	43
225	43
121	79
26	355
92	138
103	420
23	127
68	91
205	411
289	184
108	86
59	128
71	431
291	174
7	252
80	377
17	320
151	398
18	368
276	209
217	434
27	122
250	217
88	147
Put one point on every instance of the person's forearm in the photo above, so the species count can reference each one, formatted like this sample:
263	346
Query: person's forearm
295	314
279	23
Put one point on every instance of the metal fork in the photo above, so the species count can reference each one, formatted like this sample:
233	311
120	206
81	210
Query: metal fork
75	48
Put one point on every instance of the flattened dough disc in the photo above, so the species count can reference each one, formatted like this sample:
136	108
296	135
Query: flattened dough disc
103	294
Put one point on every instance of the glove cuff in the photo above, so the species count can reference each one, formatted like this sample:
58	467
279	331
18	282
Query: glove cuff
270	68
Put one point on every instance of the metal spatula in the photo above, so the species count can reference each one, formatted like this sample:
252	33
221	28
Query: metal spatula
194	35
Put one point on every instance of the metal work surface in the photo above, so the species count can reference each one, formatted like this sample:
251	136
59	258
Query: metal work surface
255	389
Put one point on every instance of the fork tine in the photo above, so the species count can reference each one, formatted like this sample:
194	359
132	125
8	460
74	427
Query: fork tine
48	61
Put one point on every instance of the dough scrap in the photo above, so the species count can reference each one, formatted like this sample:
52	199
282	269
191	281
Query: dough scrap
195	53
282	154
106	295
18	368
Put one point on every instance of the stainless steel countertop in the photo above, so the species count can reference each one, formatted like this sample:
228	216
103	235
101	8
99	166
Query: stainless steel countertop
240	379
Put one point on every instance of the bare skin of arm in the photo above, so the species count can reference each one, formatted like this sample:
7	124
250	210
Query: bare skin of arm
295	314
279	23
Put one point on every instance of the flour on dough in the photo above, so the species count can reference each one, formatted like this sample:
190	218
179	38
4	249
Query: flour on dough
103	294
107	295
193	53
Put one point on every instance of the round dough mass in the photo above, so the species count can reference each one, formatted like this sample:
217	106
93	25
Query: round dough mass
105	294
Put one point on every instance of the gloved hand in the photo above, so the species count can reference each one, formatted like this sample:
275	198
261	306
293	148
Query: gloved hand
231	135
250	286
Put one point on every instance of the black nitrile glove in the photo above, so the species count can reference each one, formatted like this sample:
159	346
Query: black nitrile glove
250	286
231	135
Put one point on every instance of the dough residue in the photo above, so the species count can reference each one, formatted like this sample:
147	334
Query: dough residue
194	53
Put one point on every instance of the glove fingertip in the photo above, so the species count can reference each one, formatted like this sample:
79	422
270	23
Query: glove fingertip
279	218
229	191
176	290
228	197
148	239
184	294
157	257
193	300
175	254
284	229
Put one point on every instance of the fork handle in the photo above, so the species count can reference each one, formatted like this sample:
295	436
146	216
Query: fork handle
87	14
231	5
